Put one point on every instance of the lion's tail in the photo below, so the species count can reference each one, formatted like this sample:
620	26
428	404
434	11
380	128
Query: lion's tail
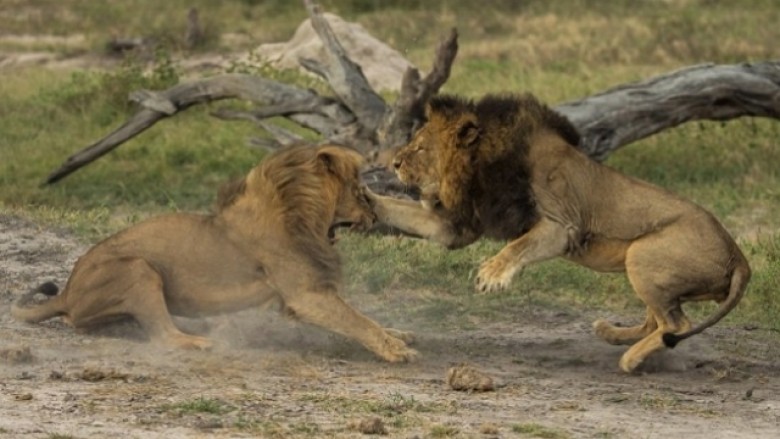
739	280
40	312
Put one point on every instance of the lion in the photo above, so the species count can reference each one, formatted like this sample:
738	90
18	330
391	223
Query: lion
268	240
507	167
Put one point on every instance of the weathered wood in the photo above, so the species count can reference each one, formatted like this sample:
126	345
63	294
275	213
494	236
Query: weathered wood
408	111
345	77
627	113
607	120
159	105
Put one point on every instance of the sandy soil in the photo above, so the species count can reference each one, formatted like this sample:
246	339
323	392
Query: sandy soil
269	377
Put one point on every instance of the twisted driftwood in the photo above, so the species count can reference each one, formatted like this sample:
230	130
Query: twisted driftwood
356	115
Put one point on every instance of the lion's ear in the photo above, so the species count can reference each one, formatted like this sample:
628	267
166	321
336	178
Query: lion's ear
468	133
338	160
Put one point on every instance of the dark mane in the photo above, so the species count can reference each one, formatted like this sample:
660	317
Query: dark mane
527	114
497	199
450	105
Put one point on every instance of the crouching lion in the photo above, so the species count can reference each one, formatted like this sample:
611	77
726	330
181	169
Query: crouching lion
506	167
270	239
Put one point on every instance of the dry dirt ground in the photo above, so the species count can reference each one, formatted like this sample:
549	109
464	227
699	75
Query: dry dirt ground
274	378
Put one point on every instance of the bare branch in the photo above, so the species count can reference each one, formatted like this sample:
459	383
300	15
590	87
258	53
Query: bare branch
282	135
267	144
344	76
312	104
408	111
158	105
627	113
442	63
315	67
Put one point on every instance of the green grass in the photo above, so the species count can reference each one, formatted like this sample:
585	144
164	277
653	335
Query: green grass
539	431
200	405
559	50
443	431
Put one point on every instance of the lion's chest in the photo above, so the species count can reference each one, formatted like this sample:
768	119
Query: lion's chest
503	201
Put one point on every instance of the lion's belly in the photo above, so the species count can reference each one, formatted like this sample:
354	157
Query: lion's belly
603	254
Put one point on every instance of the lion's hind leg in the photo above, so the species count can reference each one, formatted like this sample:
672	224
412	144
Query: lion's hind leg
657	290
675	322
625	335
133	288
327	310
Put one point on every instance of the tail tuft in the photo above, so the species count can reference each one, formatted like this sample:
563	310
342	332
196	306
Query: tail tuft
670	340
48	288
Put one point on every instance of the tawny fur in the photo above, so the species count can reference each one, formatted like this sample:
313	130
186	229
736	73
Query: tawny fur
269	240
507	167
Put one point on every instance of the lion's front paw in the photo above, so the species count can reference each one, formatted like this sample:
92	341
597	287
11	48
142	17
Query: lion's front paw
396	351
406	336
494	275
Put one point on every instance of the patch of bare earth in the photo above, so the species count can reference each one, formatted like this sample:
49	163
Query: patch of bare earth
273	378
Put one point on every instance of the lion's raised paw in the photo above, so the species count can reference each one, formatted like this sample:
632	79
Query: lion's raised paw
494	275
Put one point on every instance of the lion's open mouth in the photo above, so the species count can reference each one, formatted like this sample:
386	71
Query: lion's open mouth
332	229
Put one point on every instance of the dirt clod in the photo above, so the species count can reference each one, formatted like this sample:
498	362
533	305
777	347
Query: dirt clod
16	355
373	425
467	378
94	375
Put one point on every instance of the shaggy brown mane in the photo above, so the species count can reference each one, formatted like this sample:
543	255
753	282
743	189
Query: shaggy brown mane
491	191
296	175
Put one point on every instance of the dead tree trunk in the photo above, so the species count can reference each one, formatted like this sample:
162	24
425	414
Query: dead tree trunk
358	116
630	112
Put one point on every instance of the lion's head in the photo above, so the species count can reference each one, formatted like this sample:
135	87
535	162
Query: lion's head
470	158
440	147
319	186
313	190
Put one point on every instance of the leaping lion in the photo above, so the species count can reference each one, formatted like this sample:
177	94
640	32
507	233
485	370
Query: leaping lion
507	167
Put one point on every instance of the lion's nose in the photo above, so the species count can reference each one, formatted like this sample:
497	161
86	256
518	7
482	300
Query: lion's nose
396	163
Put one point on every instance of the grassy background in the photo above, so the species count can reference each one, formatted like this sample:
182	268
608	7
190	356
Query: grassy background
559	50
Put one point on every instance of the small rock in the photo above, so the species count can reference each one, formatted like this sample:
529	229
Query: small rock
94	375
25	376
373	425
489	429
209	424
467	378
16	355
23	397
